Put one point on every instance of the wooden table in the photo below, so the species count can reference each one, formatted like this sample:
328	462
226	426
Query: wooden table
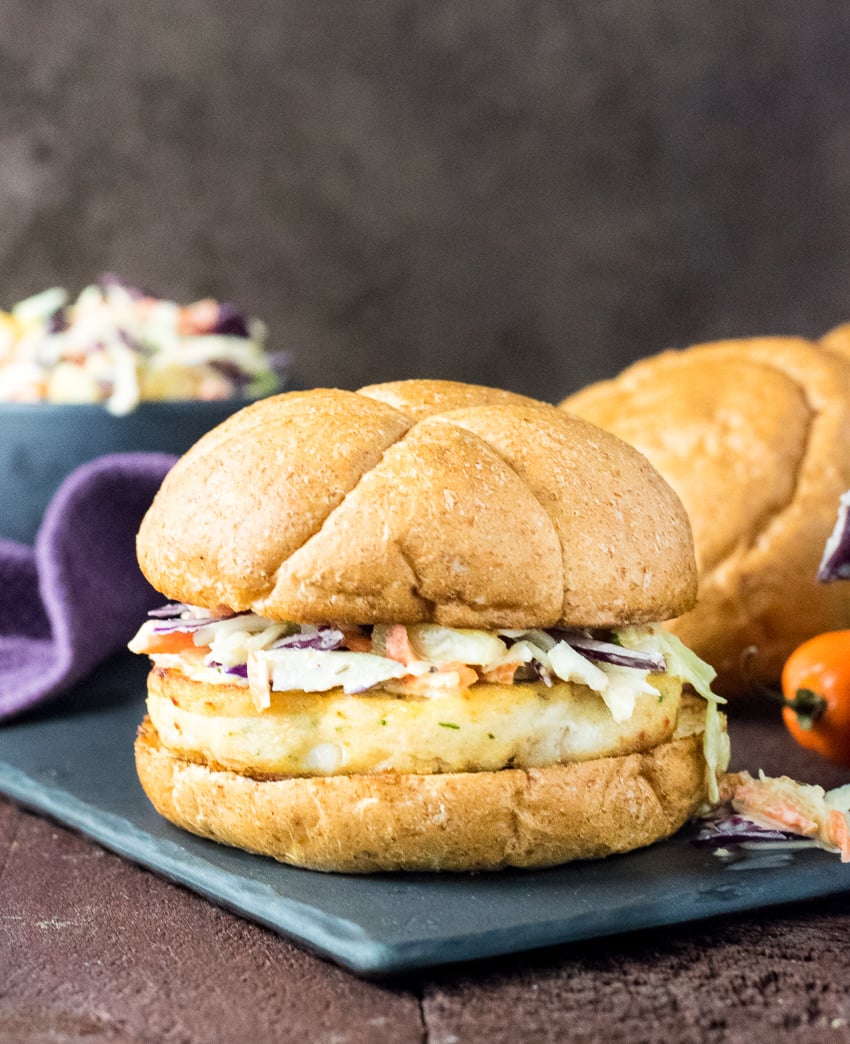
94	949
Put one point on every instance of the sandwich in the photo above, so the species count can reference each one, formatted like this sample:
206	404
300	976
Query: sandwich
417	627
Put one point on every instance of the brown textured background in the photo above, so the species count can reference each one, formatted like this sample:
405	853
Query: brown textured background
523	192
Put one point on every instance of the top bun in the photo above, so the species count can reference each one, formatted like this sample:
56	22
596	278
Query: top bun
335	505
420	399
754	435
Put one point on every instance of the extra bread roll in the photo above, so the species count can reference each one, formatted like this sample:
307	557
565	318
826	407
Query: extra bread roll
416	627
754	435
837	341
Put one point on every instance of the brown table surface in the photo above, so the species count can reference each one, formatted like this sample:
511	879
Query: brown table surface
93	948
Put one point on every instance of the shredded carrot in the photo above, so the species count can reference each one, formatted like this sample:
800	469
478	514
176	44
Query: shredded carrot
354	639
358	642
778	801
144	306
778	806
199	317
466	675
174	642
838	831
449	676
503	674
398	645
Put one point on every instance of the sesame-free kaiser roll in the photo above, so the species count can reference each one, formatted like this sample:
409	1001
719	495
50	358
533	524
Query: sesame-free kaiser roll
754	435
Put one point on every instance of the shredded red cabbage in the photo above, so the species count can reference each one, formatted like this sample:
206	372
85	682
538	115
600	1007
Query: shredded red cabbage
323	638
172	619
58	321
544	673
192	623
231	321
166	612
238	670
610	652
180	617
730	828
835	564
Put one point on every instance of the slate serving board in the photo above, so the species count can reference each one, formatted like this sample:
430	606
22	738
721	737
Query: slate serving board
73	762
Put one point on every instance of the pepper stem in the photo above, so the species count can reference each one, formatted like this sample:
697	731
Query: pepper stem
808	705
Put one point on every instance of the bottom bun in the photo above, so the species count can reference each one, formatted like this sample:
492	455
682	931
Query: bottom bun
451	821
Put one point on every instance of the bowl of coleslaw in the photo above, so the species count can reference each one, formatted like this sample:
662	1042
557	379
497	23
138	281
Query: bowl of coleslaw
116	370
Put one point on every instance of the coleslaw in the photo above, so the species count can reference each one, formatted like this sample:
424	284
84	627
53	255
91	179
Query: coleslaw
426	659
119	346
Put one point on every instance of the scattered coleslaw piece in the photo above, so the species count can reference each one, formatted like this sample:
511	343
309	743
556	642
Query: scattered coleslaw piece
835	563
778	811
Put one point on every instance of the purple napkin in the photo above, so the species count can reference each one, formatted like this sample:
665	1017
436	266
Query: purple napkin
77	596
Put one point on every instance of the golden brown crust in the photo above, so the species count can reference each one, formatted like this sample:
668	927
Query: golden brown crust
423	398
458	821
255	488
627	553
754	435
334	505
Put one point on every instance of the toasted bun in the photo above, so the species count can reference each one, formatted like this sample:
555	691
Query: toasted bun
754	435
454	821
335	505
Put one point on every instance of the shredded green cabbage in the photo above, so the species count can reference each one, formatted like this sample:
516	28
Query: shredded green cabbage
683	663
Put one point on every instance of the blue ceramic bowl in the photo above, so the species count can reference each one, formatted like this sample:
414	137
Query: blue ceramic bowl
42	443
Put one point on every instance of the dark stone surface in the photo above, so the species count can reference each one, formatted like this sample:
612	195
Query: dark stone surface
528	194
95	949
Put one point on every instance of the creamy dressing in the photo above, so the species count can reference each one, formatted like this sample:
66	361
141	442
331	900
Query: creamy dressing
237	640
